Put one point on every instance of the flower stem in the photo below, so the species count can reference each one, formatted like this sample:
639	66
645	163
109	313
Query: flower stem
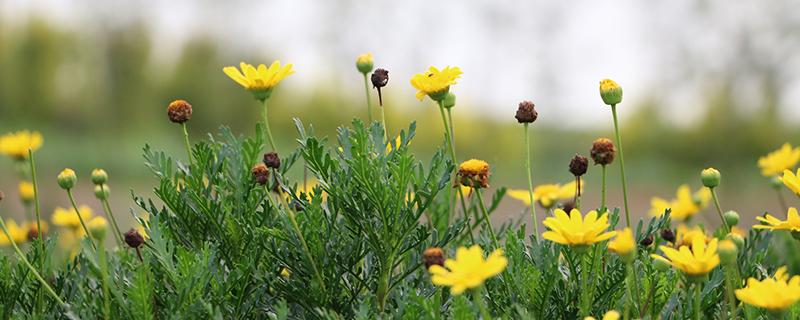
186	142
530	181
697	301
729	274
629	284
80	218
369	100
118	234
37	209
719	211
603	191
449	137
486	218
585	306
385	129
478	299
30	267
267	131
621	165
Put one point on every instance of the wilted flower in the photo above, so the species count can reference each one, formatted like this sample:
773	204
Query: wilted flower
474	173
775	162
468	270
696	262
775	294
434	83
16	144
364	63
610	91
179	111
259	81
133	238
272	160
578	165
684	206
260	173
576	230
603	151
526	112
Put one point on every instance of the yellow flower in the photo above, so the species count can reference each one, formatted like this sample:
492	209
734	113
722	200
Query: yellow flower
394	146
775	162
792	222
611	315
546	194
684	206
16	144
68	218
738	231
468	270
17	233
774	294
285	273
434	83
685	235
364	63
474	173
623	244
260	81
26	191
791	181
33	228
695	262
97	226
575	230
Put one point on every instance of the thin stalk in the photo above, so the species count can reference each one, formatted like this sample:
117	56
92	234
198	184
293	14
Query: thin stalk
37	209
29	266
621	165
80	218
729	290
187	143
118	234
585	306
449	137
578	193
530	181
385	129
478	299
697	301
369	99
267	131
603	191
629	285
719	211
486	217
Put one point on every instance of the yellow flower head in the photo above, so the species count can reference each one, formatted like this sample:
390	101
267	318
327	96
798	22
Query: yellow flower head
611	315
792	222
16	144
547	195
774	294
685	235
792	181
474	173
434	83
68	218
17	233
26	191
575	230
364	63
775	162
695	262
259	81
684	206
623	244
610	92
468	270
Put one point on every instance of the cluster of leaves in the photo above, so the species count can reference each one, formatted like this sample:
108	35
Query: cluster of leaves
222	246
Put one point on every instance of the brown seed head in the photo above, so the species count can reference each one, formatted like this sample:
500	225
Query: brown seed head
179	111
473	173
433	256
668	235
272	160
260	173
133	238
526	112
380	78
33	234
578	165
647	241
603	151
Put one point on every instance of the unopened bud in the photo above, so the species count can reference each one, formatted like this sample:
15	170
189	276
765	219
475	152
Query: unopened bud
449	101
101	191
610	92
272	160
710	177
433	256
526	113
776	182
179	111
364	63
603	151
727	252
99	176
67	179
260	174
731	218
736	239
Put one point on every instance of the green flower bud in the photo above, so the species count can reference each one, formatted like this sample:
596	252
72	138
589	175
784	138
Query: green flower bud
67	179
731	218
736	239
727	252
776	182
365	63
99	176
101	191
611	92
710	177
449	101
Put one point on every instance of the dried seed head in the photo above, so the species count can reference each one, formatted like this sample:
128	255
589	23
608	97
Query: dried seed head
380	78
272	160
668	235
647	241
433	256
526	113
474	173
603	151
260	174
179	111
578	165
133	238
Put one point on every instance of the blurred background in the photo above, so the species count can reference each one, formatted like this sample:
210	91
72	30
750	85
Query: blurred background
707	83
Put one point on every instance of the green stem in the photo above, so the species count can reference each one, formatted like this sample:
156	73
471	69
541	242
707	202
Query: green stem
385	129
621	166
697	301
603	191
80	218
37	209
267	131
729	290
530	182
369	100
106	295
449	137
486	217
30	267
118	234
585	306
629	286
186	143
719	211
478	299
